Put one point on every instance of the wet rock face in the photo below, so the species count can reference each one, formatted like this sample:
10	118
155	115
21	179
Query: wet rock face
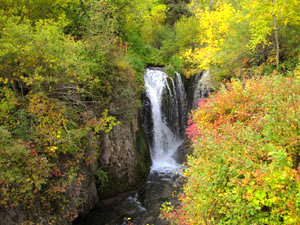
167	109
88	192
174	106
158	189
126	164
147	121
190	89
183	150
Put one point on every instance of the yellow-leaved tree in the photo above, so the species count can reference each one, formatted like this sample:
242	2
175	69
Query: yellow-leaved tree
267	18
232	33
215	27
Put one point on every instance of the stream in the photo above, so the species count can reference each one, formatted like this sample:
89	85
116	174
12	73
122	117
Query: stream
164	122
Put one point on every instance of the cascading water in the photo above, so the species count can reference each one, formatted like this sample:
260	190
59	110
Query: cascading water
202	88
164	122
182	104
165	142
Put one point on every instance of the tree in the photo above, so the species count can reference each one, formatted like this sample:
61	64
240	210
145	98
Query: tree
267	18
237	34
36	9
214	28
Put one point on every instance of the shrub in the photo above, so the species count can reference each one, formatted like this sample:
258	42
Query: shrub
245	165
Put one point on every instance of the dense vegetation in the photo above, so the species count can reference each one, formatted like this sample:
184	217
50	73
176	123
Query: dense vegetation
70	70
55	89
245	164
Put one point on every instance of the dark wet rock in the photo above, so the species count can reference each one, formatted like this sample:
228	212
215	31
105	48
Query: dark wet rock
174	107
147	121
125	158
183	150
142	207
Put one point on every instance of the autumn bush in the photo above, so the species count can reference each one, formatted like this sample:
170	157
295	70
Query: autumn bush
245	164
53	103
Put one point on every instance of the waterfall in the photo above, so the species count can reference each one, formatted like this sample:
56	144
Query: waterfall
167	108
165	104
202	87
163	117
182	104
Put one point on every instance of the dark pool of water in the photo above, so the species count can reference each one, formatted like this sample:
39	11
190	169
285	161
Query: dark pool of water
140	207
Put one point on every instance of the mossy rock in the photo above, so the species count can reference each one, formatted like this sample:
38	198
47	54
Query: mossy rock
116	185
143	151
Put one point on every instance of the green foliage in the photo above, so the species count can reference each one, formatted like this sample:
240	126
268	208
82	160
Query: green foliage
245	165
234	38
170	70
148	27
177	63
187	29
153	56
23	171
77	14
101	177
137	64
39	58
53	96
176	9
35	10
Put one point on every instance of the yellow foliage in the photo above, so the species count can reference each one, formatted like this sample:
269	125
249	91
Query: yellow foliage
214	27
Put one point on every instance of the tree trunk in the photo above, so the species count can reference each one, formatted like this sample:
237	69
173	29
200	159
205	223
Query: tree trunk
276	38
211	4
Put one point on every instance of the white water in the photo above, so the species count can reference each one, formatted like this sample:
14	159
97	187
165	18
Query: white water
165	143
182	100
202	88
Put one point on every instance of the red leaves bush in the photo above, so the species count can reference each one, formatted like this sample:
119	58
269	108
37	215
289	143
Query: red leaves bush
245	165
